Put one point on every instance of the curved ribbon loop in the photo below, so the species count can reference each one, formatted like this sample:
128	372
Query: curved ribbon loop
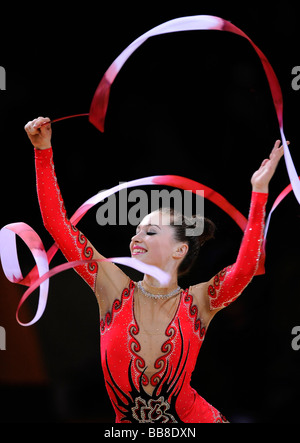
40	274
11	266
100	100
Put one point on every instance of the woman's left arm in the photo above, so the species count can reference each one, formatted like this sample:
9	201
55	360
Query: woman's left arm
227	285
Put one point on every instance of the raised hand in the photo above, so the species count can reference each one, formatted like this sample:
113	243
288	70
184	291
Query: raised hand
39	132
261	178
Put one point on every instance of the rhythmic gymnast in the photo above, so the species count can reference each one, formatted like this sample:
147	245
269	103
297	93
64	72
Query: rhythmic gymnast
151	335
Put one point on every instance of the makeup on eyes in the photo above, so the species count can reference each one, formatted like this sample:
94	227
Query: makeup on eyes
148	226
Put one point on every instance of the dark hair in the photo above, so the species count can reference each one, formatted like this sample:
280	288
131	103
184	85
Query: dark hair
182	227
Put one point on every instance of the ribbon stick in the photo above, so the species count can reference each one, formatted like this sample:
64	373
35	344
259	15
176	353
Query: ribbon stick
65	118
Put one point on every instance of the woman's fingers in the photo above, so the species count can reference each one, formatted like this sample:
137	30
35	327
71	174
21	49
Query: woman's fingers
39	132
40	121
33	126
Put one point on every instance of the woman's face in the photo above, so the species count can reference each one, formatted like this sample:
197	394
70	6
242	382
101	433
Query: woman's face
154	242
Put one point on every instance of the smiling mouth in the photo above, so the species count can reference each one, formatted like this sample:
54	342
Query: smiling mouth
138	251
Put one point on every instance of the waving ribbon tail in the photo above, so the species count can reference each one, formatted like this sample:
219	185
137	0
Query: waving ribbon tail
278	200
40	274
197	188
168	180
214	197
293	175
271	76
100	100
99	104
10	262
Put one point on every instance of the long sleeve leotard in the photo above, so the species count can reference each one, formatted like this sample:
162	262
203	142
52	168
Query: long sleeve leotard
73	244
228	284
148	357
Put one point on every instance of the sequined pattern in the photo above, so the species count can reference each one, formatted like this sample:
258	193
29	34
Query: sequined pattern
227	285
73	244
172	399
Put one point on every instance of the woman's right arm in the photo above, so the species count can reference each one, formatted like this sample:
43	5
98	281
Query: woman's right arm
105	278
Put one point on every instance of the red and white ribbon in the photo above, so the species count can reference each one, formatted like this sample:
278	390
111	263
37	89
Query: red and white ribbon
39	276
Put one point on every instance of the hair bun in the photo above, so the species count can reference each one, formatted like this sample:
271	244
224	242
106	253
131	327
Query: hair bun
208	232
182	226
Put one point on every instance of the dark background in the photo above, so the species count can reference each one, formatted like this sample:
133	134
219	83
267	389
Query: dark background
194	104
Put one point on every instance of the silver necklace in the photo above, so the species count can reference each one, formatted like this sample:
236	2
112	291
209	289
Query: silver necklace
158	296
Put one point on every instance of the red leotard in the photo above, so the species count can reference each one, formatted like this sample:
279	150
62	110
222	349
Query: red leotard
162	394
